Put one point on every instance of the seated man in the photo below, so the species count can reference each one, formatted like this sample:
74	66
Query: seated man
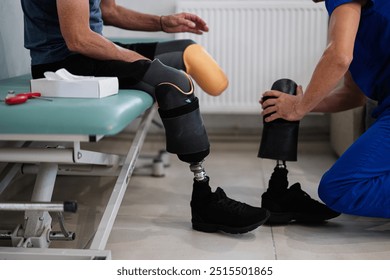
68	34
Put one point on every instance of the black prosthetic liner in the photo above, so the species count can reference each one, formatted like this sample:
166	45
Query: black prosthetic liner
279	139
171	52
185	133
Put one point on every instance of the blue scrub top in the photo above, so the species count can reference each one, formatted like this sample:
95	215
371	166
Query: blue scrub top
370	67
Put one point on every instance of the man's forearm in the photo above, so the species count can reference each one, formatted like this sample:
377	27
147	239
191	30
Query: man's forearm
124	18
341	99
96	46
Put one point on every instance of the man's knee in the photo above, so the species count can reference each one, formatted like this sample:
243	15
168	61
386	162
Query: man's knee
323	193
328	193
158	73
171	52
170	47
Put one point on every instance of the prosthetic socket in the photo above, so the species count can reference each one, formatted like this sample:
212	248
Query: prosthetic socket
279	140
179	111
196	62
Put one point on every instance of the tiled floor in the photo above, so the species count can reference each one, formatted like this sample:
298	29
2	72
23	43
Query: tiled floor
154	219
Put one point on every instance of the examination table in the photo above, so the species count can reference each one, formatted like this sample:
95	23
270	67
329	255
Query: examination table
24	127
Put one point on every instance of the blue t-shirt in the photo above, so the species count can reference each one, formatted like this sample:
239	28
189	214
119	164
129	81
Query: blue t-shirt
370	67
42	34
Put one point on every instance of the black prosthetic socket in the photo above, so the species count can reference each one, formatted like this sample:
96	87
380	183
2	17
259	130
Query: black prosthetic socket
194	157
179	111
279	140
184	130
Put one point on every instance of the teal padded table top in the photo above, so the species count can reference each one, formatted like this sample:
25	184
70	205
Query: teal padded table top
71	116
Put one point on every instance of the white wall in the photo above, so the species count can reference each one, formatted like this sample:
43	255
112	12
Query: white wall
14	58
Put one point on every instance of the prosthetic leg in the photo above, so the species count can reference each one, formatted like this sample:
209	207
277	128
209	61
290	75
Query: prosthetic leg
184	130
187	138
279	142
185	133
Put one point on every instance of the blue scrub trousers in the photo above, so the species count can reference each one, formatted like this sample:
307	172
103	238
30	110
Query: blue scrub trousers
359	182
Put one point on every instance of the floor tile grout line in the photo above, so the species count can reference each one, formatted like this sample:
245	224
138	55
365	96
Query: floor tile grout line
273	244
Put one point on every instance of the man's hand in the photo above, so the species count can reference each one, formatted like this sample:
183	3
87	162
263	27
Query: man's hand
183	22
281	105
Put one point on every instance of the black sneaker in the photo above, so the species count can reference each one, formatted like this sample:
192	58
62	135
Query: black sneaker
295	205
212	212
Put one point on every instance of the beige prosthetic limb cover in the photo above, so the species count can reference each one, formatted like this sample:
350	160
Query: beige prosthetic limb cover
204	70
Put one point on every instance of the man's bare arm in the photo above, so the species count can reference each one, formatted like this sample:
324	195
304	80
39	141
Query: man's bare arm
74	23
345	97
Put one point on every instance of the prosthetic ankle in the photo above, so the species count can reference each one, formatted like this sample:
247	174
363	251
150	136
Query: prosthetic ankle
184	129
197	63
198	170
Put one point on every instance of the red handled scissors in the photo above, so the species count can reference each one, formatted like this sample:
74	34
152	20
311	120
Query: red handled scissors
13	99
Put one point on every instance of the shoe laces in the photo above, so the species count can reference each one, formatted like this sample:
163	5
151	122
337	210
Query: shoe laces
227	203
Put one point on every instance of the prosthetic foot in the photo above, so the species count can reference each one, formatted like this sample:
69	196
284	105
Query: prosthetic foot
214	211
279	141
293	204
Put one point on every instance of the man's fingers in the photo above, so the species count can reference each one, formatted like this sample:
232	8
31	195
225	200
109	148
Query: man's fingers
299	90
272	93
268	102
200	23
269	110
189	26
271	117
188	23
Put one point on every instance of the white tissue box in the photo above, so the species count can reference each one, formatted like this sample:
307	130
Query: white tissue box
91	87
